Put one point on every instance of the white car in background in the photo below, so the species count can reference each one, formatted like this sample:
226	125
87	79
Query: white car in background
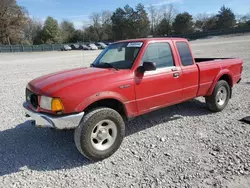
66	48
102	45
93	46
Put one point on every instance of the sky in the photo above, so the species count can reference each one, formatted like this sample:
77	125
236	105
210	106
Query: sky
78	11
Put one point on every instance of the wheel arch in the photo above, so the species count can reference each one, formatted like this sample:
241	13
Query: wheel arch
105	99
223	75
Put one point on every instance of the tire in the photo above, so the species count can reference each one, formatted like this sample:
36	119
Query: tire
220	96
99	134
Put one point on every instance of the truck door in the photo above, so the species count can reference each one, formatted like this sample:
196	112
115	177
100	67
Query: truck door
190	72
162	86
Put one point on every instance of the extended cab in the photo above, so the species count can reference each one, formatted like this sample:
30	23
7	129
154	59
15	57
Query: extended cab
129	78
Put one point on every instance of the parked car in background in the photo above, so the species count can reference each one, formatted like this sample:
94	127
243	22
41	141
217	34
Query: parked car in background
84	47
102	45
93	46
107	43
66	48
75	46
98	45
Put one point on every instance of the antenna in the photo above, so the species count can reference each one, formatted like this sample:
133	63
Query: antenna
83	48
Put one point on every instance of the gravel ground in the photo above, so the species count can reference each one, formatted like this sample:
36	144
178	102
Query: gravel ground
180	146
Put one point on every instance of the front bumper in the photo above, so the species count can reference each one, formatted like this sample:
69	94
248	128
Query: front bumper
62	122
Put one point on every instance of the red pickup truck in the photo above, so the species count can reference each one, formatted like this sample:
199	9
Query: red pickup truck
129	78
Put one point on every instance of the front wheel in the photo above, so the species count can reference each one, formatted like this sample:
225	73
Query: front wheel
220	97
100	134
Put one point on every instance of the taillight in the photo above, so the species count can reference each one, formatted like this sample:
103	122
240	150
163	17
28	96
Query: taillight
241	69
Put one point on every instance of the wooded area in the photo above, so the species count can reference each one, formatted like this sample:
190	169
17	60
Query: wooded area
16	27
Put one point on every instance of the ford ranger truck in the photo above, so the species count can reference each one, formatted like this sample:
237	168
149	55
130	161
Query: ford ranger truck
129	78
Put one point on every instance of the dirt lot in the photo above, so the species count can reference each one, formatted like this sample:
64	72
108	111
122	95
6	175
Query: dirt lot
181	146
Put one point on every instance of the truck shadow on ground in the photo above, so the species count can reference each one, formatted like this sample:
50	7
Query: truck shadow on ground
27	147
190	108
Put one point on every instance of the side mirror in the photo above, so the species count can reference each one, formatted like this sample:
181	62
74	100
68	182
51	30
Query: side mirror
147	66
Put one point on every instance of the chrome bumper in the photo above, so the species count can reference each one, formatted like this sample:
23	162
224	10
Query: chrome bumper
63	122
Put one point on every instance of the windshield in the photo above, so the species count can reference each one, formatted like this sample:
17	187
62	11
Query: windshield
119	55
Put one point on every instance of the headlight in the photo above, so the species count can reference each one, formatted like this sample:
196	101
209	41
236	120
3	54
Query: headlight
53	104
46	102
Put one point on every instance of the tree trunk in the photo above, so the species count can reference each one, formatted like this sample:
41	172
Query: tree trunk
8	38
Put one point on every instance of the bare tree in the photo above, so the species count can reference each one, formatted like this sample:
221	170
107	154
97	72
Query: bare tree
96	19
152	14
169	12
155	18
67	31
201	21
160	17
31	30
106	17
12	19
165	18
202	16
242	18
107	25
101	25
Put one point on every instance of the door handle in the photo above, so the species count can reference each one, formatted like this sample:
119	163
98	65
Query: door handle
176	75
174	69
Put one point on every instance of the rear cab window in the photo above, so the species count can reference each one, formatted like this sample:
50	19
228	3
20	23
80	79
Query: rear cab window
185	53
160	53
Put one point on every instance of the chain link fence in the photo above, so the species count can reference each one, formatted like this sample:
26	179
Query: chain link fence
30	48
57	47
198	35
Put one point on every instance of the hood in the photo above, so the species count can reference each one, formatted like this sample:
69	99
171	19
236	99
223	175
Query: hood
52	82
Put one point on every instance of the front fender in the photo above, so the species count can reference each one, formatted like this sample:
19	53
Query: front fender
100	96
217	78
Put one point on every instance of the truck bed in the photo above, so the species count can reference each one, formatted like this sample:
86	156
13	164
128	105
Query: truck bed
201	60
209	71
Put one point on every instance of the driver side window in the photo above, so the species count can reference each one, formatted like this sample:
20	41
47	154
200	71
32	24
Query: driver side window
160	53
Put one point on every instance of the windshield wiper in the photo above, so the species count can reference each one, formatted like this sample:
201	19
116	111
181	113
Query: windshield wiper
110	65
106	65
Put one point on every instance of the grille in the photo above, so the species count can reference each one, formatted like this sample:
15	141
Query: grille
32	98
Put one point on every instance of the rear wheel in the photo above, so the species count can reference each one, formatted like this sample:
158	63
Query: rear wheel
220	97
100	134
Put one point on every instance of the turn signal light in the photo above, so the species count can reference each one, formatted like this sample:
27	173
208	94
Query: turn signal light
56	105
